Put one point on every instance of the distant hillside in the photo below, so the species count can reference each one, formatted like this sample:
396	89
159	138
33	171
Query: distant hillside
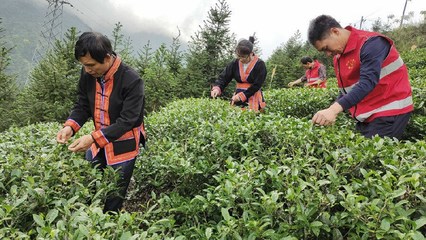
22	21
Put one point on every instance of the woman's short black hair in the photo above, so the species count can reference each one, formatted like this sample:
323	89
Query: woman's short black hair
96	44
245	47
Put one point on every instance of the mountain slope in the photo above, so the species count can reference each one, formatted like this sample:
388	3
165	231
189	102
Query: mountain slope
23	20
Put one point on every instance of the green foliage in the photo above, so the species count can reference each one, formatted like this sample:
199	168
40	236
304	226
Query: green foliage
175	58
143	60
52	90
416	127
122	46
47	192
214	170
209	51
416	62
299	102
409	37
161	71
8	88
286	62
160	83
45	188
210	170
380	26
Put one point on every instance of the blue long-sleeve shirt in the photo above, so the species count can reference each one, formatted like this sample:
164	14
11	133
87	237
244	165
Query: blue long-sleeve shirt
373	53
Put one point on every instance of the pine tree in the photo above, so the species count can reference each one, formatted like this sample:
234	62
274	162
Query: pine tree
144	58
52	90
8	86
122	46
286	61
160	83
175	57
210	49
160	70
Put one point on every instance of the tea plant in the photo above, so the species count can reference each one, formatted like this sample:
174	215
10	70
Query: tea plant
212	171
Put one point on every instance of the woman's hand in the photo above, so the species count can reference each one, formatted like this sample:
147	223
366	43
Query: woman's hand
215	92
236	98
64	135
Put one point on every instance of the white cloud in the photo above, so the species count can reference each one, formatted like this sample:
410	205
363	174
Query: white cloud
274	21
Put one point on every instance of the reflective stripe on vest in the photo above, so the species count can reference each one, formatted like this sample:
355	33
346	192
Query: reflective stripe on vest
399	104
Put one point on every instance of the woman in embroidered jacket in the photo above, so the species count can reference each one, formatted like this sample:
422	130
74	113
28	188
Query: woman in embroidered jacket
250	73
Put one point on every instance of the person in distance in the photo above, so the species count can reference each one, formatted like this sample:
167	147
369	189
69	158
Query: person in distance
315	74
250	73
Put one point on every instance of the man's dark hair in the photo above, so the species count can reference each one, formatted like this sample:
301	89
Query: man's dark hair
96	44
245	47
319	28
306	59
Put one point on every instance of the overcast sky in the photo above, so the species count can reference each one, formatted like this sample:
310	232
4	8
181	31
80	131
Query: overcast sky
274	21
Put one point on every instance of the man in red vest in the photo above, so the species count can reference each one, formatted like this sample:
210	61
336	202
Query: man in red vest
315	75
372	78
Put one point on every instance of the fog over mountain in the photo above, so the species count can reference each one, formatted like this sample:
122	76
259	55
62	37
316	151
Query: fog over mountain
22	21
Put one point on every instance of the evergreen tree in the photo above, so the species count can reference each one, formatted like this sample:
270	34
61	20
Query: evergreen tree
160	83
160	71
122	46
379	26
256	46
51	92
144	59
8	86
175	57
210	49
286	61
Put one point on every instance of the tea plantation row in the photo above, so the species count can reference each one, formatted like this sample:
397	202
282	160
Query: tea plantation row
212	171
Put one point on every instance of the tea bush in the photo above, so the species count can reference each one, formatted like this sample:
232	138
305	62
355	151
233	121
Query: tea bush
299	102
416	62
215	171
212	171
46	191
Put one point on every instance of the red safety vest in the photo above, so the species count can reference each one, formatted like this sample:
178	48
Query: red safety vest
312	76
391	96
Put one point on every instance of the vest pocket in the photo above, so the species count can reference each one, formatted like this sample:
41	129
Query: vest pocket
124	146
